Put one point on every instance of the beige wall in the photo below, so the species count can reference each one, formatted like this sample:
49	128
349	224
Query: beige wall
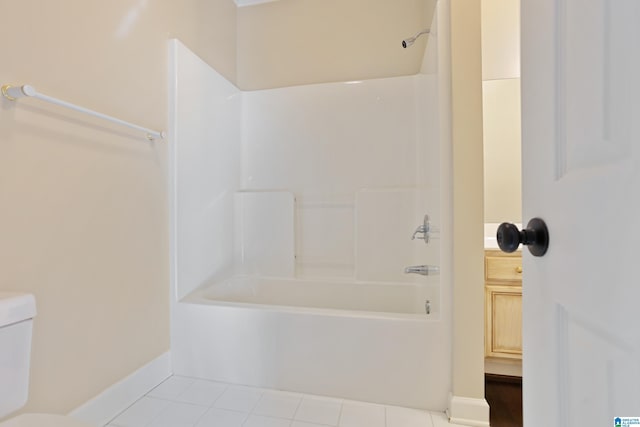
467	200
293	42
84	203
502	157
84	218
500	39
501	99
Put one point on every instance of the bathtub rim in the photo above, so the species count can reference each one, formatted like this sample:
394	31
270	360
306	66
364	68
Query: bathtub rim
198	297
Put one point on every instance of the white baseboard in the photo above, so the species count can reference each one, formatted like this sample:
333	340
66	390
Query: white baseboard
468	411
105	406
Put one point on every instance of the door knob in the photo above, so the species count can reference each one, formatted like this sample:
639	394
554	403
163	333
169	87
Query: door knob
535	236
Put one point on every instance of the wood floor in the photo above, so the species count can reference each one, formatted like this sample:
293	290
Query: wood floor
504	395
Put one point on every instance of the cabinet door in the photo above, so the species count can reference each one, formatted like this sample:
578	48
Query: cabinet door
503	327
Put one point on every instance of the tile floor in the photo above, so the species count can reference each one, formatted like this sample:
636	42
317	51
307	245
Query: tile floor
189	402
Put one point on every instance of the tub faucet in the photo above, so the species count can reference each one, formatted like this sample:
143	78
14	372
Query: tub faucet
425	270
426	229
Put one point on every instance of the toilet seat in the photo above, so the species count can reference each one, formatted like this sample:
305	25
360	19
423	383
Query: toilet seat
43	420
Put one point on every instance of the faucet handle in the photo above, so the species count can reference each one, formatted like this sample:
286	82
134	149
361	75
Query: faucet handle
420	230
426	229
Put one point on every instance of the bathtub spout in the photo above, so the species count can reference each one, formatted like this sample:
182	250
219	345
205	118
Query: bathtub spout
425	270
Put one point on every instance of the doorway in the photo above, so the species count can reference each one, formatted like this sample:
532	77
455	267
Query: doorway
502	203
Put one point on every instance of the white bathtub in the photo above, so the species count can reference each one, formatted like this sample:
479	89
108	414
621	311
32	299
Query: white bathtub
364	341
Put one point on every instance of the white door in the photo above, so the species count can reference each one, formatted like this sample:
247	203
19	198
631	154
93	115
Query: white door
581	174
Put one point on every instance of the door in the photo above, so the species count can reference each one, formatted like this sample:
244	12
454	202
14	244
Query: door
581	155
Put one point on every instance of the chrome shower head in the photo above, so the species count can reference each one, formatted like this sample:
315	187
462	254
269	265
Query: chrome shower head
408	42
411	40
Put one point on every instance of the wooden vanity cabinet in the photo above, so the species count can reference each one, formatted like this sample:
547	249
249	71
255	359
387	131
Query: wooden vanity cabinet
503	305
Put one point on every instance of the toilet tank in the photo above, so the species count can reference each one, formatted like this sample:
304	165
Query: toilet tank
16	313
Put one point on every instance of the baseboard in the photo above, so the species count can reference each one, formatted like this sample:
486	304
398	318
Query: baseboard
511	367
115	399
468	411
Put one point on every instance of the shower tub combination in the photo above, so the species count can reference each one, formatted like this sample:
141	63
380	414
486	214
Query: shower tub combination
258	238
372	342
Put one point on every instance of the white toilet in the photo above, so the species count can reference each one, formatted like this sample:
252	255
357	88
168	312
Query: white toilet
16	319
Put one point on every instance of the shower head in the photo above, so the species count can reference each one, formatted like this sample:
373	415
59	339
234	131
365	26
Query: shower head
411	40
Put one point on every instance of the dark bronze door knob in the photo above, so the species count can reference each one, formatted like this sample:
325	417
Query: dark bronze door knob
535	237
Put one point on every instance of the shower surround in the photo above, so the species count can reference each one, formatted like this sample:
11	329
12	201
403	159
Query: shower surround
292	216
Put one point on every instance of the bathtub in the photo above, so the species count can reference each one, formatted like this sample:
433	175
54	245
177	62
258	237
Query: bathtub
375	342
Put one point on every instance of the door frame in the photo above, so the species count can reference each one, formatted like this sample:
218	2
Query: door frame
464	178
